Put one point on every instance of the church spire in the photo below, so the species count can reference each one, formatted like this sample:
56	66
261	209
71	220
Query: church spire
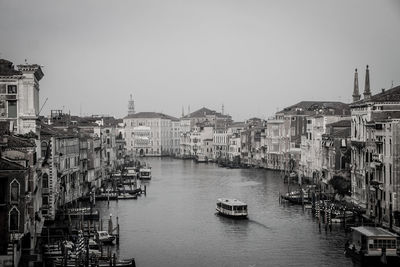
131	106
367	90
356	93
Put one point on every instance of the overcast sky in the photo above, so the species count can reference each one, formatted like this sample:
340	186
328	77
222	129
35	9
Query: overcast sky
252	56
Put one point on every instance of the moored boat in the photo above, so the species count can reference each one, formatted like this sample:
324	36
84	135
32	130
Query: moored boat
300	196
201	158
127	196
373	245
145	173
231	208
104	237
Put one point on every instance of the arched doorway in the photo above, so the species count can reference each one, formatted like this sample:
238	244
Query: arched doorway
141	152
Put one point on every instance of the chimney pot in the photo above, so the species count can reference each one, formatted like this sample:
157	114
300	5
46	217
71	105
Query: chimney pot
383	90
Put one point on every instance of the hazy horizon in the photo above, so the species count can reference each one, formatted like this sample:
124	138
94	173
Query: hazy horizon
254	57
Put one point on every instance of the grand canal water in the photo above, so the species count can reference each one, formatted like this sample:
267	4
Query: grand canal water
175	223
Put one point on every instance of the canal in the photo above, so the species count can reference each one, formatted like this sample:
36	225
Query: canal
175	223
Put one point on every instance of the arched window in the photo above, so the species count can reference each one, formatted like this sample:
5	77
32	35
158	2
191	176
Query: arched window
13	219
14	191
45	180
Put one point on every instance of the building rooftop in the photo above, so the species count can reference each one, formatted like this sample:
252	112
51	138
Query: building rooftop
203	112
317	107
373	231
341	133
150	115
18	142
342	123
7	68
7	165
391	95
57	132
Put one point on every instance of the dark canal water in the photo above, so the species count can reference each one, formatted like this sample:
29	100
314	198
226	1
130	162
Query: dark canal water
176	225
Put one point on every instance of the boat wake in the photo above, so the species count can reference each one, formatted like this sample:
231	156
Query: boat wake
259	224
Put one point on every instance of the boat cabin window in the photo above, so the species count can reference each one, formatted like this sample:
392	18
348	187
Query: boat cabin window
219	204
239	208
383	243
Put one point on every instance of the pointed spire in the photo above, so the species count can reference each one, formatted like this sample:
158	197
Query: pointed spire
183	112
356	92
367	90
188	109
222	109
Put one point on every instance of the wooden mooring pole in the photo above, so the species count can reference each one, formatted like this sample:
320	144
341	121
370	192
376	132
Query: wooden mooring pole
117	237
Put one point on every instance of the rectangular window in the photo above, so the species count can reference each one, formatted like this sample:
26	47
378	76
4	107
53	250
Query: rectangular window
3	191
3	88
11	89
12	109
45	200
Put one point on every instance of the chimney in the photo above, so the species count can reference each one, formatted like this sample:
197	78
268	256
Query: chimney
356	93
367	90
383	90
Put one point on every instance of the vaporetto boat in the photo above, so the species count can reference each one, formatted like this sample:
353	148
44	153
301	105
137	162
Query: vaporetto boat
231	208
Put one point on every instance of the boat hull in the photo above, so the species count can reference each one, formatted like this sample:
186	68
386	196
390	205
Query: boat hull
237	216
372	260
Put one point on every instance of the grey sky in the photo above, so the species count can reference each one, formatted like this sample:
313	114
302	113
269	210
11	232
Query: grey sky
252	56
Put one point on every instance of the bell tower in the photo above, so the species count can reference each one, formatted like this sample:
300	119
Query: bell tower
367	90
131	106
356	93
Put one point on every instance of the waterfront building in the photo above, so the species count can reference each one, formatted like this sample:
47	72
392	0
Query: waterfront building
336	155
201	141
277	142
184	145
189	121
13	177
19	96
234	143
199	118
374	142
382	167
142	140
311	146
220	144
60	152
107	131
120	142
250	139
163	133
288	127
20	197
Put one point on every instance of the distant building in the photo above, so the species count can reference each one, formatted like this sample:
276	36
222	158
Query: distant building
19	96
159	141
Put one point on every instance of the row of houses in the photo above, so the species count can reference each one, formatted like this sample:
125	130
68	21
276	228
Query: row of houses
46	163
326	142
